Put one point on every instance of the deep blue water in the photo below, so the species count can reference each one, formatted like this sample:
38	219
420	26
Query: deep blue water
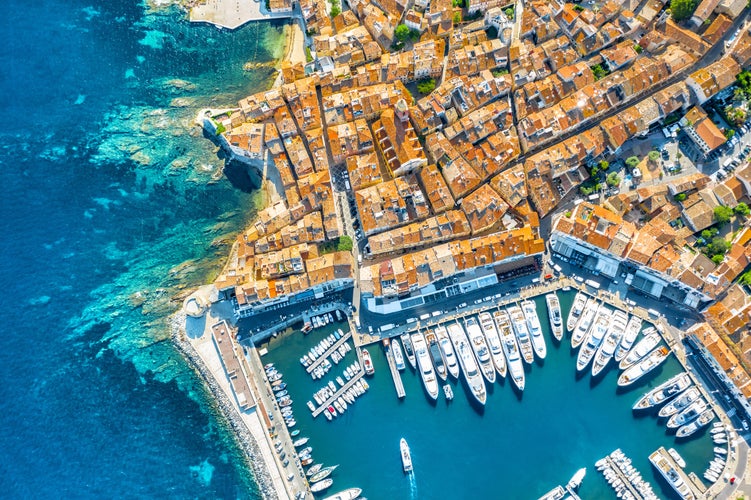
112	204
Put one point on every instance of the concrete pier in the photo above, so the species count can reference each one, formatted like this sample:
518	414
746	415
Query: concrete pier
398	384
328	352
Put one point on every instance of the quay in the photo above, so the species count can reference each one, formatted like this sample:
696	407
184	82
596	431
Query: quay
398	384
694	484
328	352
338	393
231	14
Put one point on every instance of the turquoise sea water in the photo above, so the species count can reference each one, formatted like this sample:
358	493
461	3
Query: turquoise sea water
113	205
516	447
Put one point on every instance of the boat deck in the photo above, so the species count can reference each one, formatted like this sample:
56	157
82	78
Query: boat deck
398	384
312	366
696	489
338	393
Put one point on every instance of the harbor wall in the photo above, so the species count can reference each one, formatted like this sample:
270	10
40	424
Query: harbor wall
245	439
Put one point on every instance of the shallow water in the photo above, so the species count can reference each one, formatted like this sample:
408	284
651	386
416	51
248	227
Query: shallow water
113	204
514	447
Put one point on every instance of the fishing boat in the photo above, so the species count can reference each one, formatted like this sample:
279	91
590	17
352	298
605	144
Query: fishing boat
467	362
664	392
367	363
348	494
300	442
321	485
692	427
643	347
396	351
584	323
687	415
480	348
522	333
575	313
295	433
448	392
612	340
663	466
425	365
436	355
629	337
322	474
408	349
535	330
554	315
313	470
646	365
406	457
494	342
306	461
594	338
448	351
510	348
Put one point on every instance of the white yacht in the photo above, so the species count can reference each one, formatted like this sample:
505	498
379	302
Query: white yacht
612	341
436	354
494	342
646	365
664	392
629	337
691	428
522	333
594	338
576	311
585	322
672	476
408	350
480	348
650	340
468	362
679	403
406	456
554	315
688	414
396	351
510	348
535	330
448	351
425	365
348	494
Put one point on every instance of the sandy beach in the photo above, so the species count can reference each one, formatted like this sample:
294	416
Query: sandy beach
294	48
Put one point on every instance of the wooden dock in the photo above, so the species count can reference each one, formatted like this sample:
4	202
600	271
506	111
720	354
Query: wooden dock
338	393
398	384
328	352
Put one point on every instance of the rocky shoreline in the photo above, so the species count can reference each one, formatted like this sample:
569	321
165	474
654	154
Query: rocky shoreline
245	440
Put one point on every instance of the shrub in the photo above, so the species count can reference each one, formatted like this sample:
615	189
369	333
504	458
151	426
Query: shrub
426	86
613	179
682	197
632	161
654	155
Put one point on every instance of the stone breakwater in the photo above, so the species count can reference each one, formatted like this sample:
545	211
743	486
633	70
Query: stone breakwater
245	439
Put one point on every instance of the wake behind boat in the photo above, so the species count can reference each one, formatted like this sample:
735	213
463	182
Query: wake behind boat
612	340
522	333
629	337
594	338
554	315
494	342
468	362
435	354
535	330
407	343
448	351
510	348
584	323
576	311
425	365
480	348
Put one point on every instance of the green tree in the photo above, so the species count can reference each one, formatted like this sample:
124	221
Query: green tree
742	209
722	214
718	258
594	171
718	246
681	197
598	71
638	48
457	17
729	133
509	13
654	156
604	165
613	179
402	32
632	161
682	9
426	86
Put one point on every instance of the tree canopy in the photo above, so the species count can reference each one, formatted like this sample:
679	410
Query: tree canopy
402	33
722	214
426	86
682	9
742	209
632	161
